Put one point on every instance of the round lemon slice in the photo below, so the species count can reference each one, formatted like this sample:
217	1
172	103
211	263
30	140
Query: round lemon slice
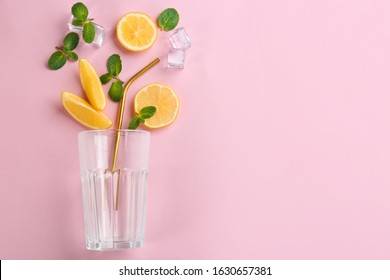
163	98
136	31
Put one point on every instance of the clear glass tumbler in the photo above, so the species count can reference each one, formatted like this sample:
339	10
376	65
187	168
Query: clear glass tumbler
114	199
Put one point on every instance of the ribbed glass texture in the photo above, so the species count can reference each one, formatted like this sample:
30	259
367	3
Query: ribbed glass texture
114	201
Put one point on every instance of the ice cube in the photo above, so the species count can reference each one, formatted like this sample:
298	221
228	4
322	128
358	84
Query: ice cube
179	39
72	27
176	58
99	36
99	32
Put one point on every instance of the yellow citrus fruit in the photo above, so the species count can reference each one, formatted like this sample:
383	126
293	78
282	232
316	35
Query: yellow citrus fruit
163	98
136	31
92	85
83	112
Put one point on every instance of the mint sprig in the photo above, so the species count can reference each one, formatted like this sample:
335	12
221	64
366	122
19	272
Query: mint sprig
134	123
73	56
168	19
71	41
148	112
77	22
145	113
114	67
88	32
58	59
80	12
106	78
116	91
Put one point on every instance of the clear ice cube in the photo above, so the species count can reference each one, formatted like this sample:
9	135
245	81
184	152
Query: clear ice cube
72	27
179	39
176	58
99	32
99	36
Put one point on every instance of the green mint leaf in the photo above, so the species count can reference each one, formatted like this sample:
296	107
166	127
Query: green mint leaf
105	78
116	91
71	41
148	112
73	56
77	22
114	65
168	19
134	123
89	32
141	119
80	11
57	60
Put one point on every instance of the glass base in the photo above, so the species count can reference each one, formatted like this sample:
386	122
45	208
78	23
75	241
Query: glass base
119	245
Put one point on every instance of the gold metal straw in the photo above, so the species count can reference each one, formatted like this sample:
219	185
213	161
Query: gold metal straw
119	121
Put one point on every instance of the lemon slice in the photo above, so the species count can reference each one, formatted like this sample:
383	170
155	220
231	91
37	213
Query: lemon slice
83	112
163	98
92	85
136	31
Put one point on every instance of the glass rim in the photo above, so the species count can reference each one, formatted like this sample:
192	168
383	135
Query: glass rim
102	131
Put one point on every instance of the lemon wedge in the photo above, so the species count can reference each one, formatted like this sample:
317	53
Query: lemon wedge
92	85
83	112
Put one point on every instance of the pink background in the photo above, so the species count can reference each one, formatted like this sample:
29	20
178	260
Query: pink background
281	149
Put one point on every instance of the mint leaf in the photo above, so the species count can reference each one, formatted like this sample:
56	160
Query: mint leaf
168	19
77	22
105	78
73	56
114	65
148	112
134	123
116	91
71	41
141	119
89	32
57	60
80	11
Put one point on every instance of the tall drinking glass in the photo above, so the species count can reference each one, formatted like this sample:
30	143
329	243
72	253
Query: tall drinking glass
114	200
